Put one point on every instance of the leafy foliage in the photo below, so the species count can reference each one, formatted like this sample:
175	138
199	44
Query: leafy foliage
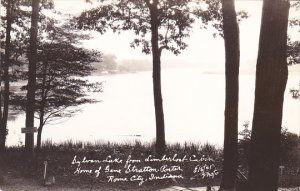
293	50
289	144
293	47
173	15
244	144
60	70
295	92
289	141
21	15
295	21
59	89
210	14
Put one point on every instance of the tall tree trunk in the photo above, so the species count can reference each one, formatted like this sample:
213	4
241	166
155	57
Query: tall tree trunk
1	70
2	137
29	138
4	116
271	78
232	62
158	102
1	64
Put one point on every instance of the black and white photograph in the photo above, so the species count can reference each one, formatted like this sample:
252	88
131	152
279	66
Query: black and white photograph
150	95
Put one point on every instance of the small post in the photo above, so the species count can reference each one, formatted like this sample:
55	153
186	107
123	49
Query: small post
208	188
281	174
45	169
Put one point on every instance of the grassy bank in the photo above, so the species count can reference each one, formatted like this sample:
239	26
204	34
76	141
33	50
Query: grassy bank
128	166
123	166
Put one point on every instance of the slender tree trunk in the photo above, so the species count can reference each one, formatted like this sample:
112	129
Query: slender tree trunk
158	102
39	133
271	78
42	106
4	117
232	53
29	138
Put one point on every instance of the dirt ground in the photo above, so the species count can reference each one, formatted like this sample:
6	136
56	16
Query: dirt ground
9	183
21	184
13	182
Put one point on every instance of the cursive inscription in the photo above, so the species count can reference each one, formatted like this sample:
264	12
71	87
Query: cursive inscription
145	169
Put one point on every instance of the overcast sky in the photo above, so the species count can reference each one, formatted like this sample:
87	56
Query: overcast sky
203	48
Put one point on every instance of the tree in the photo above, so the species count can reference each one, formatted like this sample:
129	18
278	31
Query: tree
288	148
4	114
271	78
29	122
232	59
168	22
288	145
60	87
61	66
14	30
225	22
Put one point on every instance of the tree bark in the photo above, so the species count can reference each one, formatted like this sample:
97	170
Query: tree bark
232	62
42	107
158	101
30	105
1	133
4	115
271	78
39	133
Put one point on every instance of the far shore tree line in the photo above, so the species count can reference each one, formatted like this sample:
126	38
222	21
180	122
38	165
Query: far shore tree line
56	64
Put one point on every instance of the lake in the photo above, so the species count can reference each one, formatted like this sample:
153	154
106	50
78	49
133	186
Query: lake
193	107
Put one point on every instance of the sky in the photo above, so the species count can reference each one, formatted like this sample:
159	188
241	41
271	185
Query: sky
203	49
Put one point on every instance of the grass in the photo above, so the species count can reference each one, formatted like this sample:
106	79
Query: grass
59	157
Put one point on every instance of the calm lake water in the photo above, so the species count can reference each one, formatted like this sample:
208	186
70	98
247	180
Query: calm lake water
193	106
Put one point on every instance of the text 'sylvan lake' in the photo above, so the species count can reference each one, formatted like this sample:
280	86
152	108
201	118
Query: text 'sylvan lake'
193	107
